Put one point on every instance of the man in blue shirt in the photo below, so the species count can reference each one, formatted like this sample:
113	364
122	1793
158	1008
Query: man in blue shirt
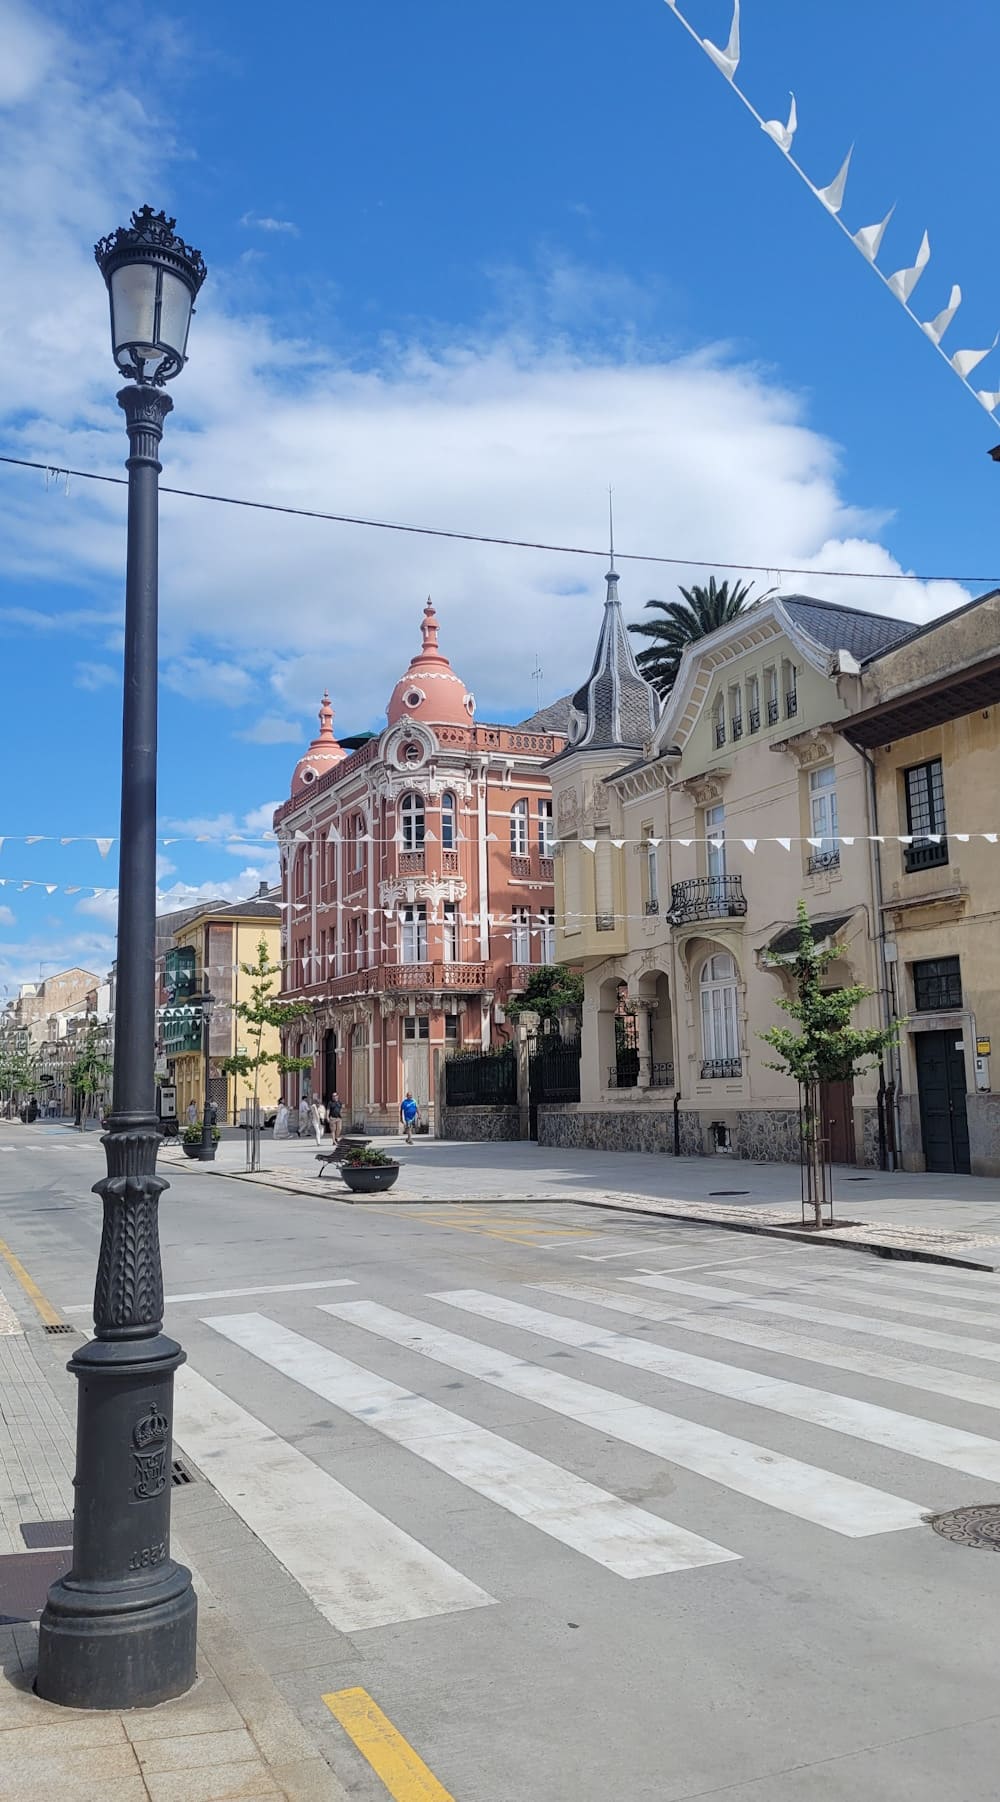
408	1111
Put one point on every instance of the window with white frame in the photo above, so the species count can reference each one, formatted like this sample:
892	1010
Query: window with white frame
719	720
519	829
358	837
411	821
449	932
823	810
718	987
771	694
415	934
547	939
545	834
753	703
448	827
715	834
521	936
651	871
359	943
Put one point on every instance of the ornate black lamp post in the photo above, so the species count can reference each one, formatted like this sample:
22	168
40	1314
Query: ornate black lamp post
119	1630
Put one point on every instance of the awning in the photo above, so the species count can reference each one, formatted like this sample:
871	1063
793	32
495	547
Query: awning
787	940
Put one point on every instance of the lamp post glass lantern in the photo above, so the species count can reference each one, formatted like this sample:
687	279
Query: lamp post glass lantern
118	1631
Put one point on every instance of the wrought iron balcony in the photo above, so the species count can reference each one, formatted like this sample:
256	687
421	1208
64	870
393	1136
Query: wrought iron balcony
661	1076
737	728
722	1067
624	1075
823	860
707	898
772	713
720	733
755	719
652	907
791	704
926	856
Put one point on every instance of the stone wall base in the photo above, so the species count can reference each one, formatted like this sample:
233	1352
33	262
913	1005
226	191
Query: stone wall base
762	1135
484	1123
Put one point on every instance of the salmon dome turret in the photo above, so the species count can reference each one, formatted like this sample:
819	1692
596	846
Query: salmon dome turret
322	755
431	691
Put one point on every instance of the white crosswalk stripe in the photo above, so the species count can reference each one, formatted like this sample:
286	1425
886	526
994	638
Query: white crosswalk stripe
839	1503
958	1288
985	1349
623	1538
891	1298
359	1569
934	1379
918	1438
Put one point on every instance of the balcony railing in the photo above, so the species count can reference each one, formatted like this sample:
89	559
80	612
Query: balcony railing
737	728
652	907
661	1076
772	713
624	1075
823	860
411	863
381	978
755	719
720	733
791	704
926	856
707	898
519	864
721	1067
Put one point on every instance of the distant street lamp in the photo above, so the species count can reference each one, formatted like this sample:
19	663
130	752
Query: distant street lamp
118	1631
207	1004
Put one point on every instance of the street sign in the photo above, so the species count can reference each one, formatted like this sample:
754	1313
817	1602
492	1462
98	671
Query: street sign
983	1047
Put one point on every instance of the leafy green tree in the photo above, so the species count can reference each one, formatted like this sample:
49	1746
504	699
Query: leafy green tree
550	987
261	1011
826	1048
90	1071
18	1073
680	623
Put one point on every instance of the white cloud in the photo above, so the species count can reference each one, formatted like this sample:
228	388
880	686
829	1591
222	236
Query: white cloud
259	818
270	729
60	949
7	917
95	676
223	825
255	222
513	430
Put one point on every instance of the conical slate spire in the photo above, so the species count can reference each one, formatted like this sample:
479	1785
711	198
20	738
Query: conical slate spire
616	705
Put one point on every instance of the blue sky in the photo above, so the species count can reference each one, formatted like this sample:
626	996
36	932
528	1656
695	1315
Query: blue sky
467	267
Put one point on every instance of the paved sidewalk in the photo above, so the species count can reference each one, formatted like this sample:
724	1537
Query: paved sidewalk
233	1736
934	1218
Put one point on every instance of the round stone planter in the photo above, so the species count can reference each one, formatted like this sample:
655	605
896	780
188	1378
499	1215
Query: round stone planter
371	1181
205	1154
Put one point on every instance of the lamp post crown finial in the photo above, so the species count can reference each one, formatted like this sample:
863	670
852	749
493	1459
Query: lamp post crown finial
150	231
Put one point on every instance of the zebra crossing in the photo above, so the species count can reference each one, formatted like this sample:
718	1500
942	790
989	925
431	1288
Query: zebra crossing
364	1569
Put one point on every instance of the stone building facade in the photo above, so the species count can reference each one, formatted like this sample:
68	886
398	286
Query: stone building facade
684	849
929	721
417	888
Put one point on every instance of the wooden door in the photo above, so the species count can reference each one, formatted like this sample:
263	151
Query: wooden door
944	1121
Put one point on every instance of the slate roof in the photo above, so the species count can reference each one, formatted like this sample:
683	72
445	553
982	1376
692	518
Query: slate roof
846	628
787	940
553	718
616	706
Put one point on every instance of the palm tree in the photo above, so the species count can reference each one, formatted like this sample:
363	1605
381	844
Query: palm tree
701	611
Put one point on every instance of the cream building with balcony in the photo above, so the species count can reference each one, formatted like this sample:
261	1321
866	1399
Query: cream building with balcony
680	870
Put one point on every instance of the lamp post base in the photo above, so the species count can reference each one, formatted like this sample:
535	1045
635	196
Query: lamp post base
118	1631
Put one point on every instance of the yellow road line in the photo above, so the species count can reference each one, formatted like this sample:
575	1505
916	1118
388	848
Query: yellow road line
391	1757
49	1314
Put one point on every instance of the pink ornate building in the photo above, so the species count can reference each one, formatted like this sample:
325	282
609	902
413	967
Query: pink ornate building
417	887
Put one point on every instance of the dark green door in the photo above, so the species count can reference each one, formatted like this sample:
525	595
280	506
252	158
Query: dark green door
944	1123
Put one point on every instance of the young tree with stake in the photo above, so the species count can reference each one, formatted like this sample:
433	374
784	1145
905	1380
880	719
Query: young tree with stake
261	1011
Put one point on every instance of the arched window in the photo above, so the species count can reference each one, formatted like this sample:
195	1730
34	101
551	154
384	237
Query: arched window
448	822
411	817
519	829
720	1033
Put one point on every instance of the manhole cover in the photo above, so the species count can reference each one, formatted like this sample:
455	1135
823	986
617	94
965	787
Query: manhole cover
970	1526
179	1474
728	1191
40	1535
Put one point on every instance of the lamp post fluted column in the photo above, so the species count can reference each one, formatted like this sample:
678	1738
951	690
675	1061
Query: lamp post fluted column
118	1631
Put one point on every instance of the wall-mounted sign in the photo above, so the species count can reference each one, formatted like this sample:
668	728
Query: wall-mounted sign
983	1047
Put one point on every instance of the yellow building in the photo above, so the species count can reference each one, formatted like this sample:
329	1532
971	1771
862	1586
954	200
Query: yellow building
685	846
929	722
217	942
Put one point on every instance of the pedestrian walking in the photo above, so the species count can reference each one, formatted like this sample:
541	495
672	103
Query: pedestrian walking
317	1120
281	1122
408	1111
192	1112
304	1121
334	1116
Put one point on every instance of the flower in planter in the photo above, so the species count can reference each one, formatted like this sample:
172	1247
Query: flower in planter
192	1134
366	1157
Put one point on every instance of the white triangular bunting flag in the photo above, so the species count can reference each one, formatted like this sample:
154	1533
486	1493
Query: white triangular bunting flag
785	843
905	280
62	841
832	195
906	838
963	837
965	361
50	888
685	841
750	843
847	841
990	837
816	843
728	59
783	134
589	844
869	238
36	838
990	401
936	327
934	838
104	845
618	843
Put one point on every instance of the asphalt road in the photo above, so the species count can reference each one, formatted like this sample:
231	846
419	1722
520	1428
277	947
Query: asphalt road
592	1506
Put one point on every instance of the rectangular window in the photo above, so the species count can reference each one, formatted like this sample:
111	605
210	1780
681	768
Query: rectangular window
823	819
359	944
357	829
719	721
753	704
572	886
715	834
520	942
415	935
449	932
451	1029
604	882
651	872
771	695
735	712
519	829
937	983
545	834
416	1026
925	816
547	917
791	690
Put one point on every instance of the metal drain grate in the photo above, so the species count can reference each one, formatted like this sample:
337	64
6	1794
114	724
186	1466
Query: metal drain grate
180	1474
978	1526
62	1327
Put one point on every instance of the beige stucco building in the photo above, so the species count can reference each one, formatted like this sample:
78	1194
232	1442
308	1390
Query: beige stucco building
219	939
684	849
929	722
